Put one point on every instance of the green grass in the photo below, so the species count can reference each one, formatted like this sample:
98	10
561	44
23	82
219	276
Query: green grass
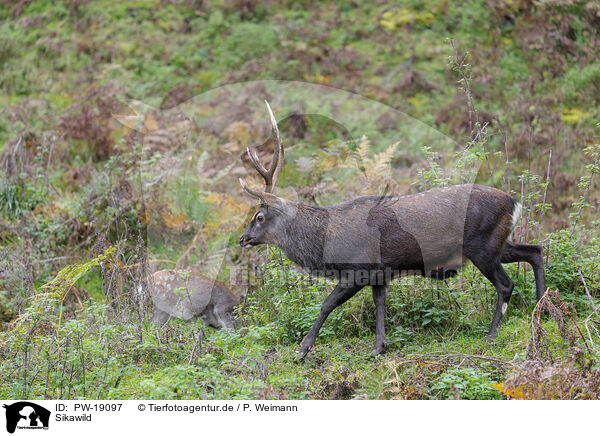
59	60
133	359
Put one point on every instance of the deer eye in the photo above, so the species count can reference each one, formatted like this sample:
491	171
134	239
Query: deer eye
260	218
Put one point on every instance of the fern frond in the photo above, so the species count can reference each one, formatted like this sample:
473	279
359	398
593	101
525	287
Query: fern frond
381	165
362	151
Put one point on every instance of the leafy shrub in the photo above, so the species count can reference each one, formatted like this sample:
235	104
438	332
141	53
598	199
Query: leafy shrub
17	197
578	83
426	313
466	384
561	272
399	336
297	301
180	382
16	282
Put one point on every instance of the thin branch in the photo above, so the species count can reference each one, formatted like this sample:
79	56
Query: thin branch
198	342
435	357
544	200
13	230
587	188
592	305
507	162
55	259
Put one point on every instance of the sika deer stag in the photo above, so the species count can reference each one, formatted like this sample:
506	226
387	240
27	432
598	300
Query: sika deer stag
372	240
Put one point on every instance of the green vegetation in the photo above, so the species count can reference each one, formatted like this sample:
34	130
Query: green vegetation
503	93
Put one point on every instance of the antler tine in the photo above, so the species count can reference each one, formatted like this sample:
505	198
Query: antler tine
251	192
270	175
257	163
278	153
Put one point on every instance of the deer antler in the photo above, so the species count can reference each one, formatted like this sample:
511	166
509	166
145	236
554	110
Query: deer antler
270	175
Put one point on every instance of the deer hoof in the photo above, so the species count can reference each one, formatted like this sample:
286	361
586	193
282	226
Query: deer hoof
301	354
377	351
490	339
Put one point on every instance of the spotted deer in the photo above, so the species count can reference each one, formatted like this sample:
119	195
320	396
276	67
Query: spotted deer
369	241
188	295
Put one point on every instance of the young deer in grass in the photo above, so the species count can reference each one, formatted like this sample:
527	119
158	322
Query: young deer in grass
188	295
368	241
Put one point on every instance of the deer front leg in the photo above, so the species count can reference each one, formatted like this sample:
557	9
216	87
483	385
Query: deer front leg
339	295
379	299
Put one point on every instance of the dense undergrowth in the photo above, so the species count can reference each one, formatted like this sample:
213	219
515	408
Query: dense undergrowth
89	205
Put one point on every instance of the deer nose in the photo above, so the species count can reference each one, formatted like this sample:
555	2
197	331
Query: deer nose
242	240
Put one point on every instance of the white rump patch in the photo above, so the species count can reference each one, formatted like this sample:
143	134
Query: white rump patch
516	216
504	307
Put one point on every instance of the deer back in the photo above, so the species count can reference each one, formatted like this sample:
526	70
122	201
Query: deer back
182	294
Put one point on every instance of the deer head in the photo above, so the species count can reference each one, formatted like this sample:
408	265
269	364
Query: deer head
274	213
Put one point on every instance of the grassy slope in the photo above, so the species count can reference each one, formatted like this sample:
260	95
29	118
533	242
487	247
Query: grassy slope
542	89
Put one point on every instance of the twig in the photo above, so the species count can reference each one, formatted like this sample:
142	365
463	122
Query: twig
522	202
544	200
507	162
54	259
47	378
462	356
428	362
463	69
587	327
47	164
198	341
13	230
185	257
149	261
587	188
406	65
13	159
582	337
592	305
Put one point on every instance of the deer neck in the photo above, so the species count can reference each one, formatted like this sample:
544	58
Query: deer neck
304	236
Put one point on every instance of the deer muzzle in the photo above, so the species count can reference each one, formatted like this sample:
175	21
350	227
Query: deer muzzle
246	242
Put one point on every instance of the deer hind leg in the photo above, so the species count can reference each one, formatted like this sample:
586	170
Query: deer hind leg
379	293
531	254
494	272
339	295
